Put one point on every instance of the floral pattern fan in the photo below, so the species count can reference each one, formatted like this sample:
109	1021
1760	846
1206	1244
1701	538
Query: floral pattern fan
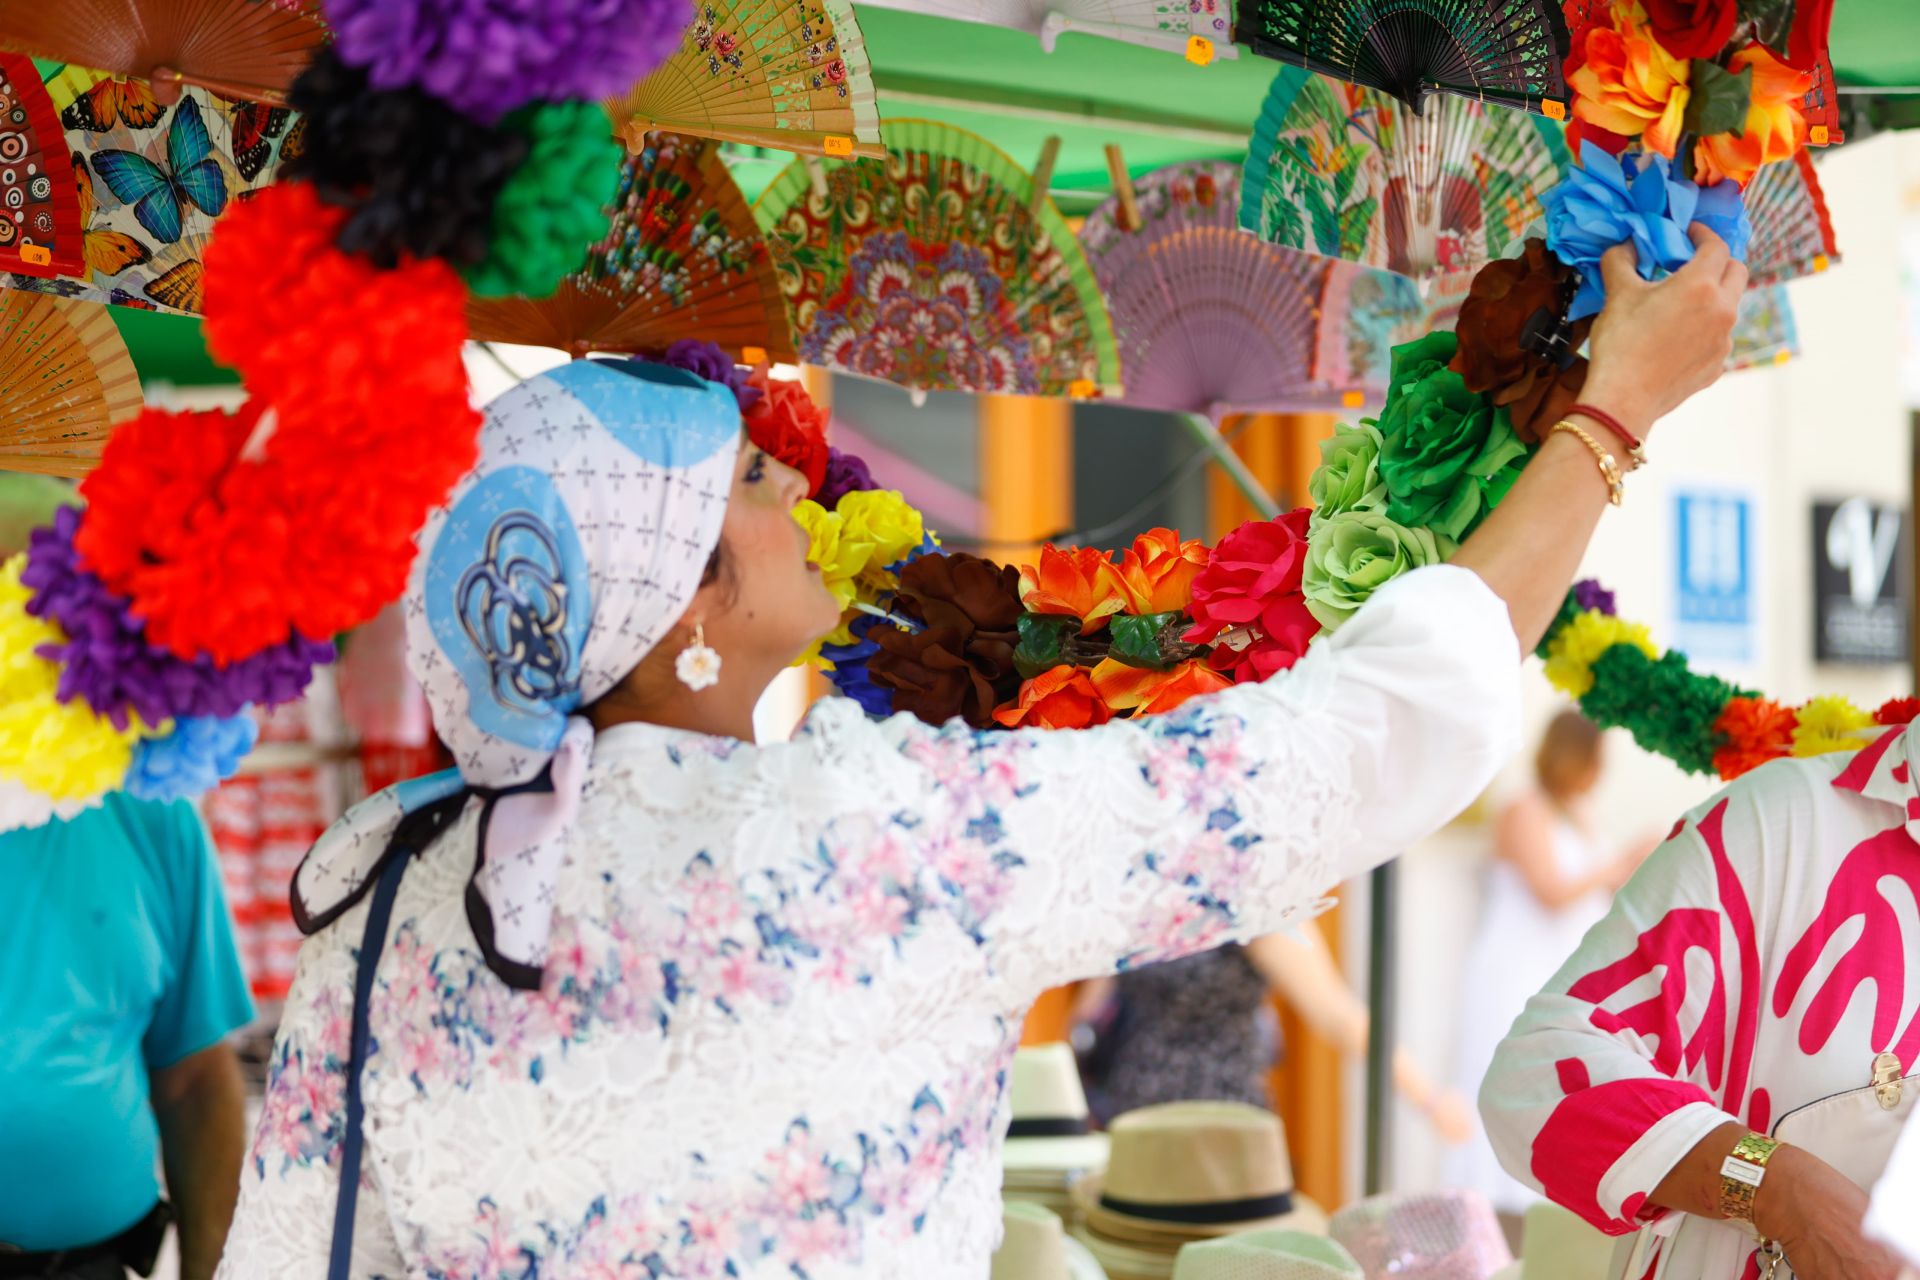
152	180
1792	230
938	270
1173	25
683	259
1763	331
66	381
1208	320
1365	313
1351	173
790	74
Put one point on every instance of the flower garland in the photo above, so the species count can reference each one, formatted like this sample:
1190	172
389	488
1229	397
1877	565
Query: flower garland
453	146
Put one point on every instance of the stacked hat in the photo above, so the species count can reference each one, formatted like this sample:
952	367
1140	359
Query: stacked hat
1559	1245
1051	1142
1267	1255
1036	1246
1185	1172
1445	1235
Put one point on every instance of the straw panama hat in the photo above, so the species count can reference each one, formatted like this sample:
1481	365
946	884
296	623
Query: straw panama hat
1443	1235
1266	1255
1035	1246
1050	1129
1560	1245
1187	1171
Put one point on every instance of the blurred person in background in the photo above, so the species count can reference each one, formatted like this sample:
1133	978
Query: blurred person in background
1549	881
119	980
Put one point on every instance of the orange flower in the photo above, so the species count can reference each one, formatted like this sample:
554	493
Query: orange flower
1147	693
1082	583
1157	572
1629	85
1755	731
1063	698
1775	129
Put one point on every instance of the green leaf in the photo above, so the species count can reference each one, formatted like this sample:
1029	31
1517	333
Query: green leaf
1043	638
1136	640
1772	20
1719	100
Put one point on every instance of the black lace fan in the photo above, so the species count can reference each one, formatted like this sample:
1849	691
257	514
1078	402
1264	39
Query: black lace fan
1505	51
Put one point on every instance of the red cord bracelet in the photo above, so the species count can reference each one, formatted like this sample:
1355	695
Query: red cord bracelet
1635	450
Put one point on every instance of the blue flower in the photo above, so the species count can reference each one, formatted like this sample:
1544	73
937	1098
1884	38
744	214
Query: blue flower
849	674
1637	199
193	759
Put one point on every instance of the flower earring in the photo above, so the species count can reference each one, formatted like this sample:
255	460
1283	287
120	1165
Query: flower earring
698	666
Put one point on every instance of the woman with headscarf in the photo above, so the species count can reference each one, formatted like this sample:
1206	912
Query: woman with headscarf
628	995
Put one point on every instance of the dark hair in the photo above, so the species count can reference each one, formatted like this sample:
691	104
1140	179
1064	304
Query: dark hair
1570	747
719	567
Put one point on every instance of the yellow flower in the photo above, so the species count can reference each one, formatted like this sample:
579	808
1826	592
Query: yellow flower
839	559
1831	724
61	750
1580	643
888	528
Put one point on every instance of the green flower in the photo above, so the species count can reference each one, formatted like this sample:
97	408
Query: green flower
1348	477
554	208
1355	553
1449	456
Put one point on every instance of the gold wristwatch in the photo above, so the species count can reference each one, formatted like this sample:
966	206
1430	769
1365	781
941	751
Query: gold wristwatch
1742	1173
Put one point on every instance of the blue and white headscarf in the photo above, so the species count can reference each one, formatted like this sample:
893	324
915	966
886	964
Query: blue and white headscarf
561	561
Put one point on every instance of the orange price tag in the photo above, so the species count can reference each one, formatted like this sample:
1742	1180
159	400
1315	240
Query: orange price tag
1821	262
36	254
1082	389
837	145
1353	399
1553	110
1818	135
753	355
1199	50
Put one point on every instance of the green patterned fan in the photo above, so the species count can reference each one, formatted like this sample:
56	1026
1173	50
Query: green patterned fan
1351	173
937	269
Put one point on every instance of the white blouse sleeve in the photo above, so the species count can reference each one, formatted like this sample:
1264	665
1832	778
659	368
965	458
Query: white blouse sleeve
1072	853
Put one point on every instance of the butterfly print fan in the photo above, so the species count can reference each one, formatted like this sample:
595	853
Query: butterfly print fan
1208	319
1156	24
1365	313
1352	173
1509	52
790	74
66	381
1763	330
40	216
1792	231
152	180
683	259
249	49
937	270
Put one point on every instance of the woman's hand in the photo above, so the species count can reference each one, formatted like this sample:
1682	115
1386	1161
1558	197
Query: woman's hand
1815	1213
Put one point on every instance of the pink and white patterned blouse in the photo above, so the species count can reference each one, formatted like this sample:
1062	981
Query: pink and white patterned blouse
785	982
1759	962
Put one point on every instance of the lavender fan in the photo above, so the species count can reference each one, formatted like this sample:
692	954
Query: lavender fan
1208	319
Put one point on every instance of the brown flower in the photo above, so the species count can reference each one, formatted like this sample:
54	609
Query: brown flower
1505	295
961	662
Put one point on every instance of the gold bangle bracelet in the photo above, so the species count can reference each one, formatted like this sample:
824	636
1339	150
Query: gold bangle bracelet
1741	1174
1609	467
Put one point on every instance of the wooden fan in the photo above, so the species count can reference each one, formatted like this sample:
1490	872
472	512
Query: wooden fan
66	381
791	74
683	259
249	49
941	270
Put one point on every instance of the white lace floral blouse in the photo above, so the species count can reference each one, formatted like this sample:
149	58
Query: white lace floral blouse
785	982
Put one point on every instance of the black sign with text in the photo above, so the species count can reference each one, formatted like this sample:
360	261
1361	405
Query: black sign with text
1861	608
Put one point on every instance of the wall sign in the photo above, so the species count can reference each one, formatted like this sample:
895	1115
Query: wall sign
1715	613
1861	600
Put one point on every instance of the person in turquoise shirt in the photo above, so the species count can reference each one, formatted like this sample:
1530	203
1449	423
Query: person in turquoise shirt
119	979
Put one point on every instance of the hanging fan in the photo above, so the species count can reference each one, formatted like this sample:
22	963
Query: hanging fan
250	49
1208	319
683	259
1157	24
937	270
1508	52
1763	330
40	220
151	181
1365	313
1792	231
66	381
790	74
1351	173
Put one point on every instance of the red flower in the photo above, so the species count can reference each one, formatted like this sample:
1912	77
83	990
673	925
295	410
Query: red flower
790	427
1063	698
1755	731
1692	28
836	72
1247	601
1898	711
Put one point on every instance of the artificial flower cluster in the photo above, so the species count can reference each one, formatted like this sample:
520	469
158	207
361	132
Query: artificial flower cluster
1700	722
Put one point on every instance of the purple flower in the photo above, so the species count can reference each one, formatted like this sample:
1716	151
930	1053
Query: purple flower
1591	596
486	57
192	760
107	661
846	472
706	360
